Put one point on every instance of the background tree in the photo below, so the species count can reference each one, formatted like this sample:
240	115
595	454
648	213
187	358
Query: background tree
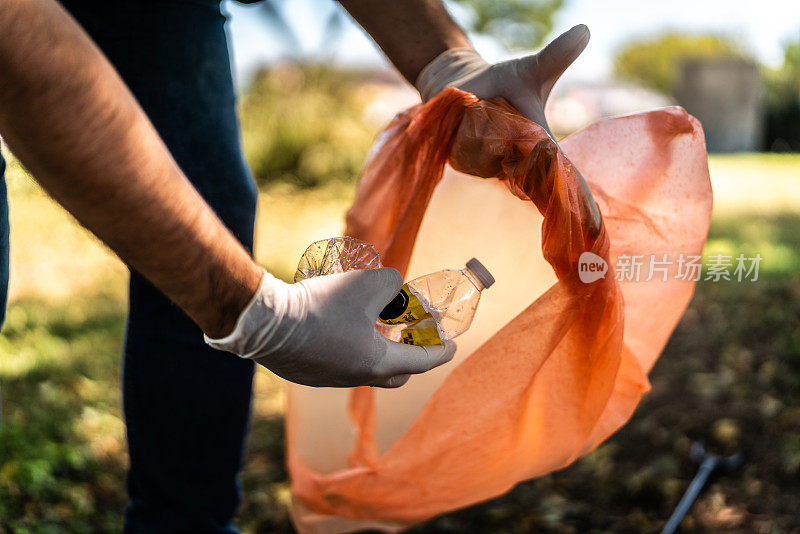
515	24
303	122
655	61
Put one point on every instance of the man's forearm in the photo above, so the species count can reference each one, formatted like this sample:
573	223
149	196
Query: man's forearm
73	123
410	32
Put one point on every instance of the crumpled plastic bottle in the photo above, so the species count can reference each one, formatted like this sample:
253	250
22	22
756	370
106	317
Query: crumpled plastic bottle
336	255
427	311
438	306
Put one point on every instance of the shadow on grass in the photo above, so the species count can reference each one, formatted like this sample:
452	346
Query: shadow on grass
265	487
730	376
61	437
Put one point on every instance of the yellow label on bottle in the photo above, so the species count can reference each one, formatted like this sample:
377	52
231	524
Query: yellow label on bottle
420	336
414	310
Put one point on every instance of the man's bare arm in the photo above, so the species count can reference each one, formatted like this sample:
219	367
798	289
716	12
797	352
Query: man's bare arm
73	123
410	32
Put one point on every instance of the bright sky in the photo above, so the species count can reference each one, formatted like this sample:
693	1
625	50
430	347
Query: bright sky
763	27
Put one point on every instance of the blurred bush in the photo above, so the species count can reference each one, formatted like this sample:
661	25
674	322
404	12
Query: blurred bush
517	24
782	128
304	125
655	61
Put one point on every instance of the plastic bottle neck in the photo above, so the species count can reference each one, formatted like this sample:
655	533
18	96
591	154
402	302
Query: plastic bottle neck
472	278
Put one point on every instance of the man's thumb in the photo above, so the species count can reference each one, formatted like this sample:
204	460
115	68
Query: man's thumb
554	59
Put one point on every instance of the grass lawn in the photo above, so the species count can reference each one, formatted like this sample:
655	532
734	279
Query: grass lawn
730	376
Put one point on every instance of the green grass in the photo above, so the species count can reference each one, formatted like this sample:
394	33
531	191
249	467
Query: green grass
774	237
767	162
62	435
730	376
755	183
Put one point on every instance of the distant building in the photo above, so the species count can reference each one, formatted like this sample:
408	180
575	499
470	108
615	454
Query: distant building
725	94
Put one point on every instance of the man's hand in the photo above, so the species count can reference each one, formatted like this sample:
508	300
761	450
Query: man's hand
321	332
525	82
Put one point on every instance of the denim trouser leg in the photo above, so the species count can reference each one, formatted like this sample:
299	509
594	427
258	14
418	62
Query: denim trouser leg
186	405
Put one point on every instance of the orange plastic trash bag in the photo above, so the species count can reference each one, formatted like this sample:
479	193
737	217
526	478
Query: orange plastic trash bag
553	364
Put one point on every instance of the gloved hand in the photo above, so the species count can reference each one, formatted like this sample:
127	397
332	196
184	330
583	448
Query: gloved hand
525	82
321	332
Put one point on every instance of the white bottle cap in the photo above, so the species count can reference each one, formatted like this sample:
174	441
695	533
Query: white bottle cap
481	273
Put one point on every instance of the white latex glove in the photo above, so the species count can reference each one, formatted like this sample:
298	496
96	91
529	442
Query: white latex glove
525	82
321	332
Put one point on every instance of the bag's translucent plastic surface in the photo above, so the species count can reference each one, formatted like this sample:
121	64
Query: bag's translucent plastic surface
551	365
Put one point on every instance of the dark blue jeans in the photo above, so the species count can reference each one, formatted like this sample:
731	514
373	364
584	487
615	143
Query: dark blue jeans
186	405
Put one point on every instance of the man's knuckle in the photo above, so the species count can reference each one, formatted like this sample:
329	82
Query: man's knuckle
388	276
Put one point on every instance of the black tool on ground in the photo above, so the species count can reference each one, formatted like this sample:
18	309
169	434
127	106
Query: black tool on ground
709	463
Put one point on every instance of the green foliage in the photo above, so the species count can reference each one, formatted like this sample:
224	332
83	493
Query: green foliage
783	102
792	59
655	61
517	24
304	125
